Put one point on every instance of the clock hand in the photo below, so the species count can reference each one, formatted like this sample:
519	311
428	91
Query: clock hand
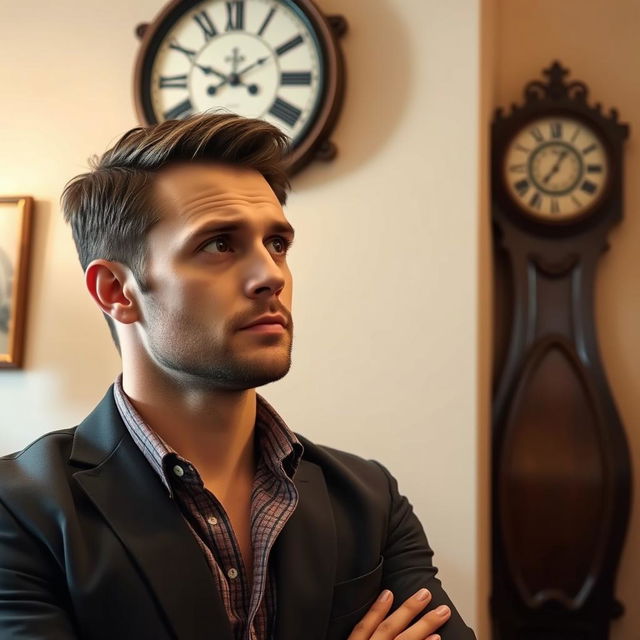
234	79
555	167
211	71
563	155
552	172
258	62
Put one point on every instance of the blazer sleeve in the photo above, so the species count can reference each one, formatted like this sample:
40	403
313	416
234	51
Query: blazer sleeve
408	563
31	593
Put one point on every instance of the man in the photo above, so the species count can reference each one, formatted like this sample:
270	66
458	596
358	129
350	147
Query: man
183	506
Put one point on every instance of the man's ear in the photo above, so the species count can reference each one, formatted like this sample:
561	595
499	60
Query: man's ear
110	285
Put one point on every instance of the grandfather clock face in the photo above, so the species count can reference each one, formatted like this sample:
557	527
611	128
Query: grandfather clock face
556	168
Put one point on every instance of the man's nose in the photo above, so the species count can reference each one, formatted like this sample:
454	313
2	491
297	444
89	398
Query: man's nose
265	277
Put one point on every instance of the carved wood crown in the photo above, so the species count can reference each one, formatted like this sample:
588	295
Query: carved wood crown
557	90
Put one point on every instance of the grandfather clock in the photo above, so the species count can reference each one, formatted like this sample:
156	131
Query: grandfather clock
561	474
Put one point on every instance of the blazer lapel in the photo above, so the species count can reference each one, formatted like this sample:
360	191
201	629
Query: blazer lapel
136	505
305	560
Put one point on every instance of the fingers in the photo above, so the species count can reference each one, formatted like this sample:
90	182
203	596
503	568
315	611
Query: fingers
376	625
429	623
376	614
397	622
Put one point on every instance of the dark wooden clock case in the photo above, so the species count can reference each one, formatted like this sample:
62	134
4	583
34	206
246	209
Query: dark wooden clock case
561	473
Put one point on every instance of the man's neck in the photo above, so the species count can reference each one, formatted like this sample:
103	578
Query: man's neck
212	429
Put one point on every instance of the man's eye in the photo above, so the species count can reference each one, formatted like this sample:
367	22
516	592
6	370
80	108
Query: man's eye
279	244
217	245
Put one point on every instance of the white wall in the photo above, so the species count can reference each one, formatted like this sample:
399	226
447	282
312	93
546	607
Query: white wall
385	261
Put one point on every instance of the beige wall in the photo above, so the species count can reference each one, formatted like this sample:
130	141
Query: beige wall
386	293
484	280
598	41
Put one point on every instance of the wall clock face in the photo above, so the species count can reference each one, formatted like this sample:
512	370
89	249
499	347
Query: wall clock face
257	58
556	168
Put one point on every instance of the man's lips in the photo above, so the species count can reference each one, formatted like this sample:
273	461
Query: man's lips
265	328
267	324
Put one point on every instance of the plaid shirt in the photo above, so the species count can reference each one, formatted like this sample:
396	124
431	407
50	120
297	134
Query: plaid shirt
250	607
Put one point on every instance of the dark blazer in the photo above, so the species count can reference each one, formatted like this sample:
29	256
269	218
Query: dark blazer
93	547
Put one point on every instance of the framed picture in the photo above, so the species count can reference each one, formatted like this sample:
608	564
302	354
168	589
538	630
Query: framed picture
15	242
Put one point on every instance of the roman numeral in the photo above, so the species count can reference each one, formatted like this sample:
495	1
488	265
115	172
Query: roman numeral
287	46
536	200
266	22
589	149
555	207
295	77
576	201
594	168
518	168
537	134
187	52
576	133
588	187
284	111
204	22
173	82
235	16
520	147
556	129
522	186
181	110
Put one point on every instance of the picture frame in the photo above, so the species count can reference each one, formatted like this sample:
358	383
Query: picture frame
15	248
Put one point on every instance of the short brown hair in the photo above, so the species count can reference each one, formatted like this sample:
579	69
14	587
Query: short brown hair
111	210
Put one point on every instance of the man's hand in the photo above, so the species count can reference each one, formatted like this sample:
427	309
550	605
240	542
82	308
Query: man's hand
376	625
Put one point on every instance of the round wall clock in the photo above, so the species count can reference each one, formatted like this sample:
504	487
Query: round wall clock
556	168
277	60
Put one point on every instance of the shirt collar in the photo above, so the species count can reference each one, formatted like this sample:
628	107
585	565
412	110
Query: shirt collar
278	446
152	446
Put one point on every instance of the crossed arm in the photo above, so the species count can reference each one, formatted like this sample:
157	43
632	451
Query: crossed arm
34	601
408	572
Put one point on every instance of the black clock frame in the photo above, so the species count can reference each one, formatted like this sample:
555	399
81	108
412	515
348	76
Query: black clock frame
544	288
314	143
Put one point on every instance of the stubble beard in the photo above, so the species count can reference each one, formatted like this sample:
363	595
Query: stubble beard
197	358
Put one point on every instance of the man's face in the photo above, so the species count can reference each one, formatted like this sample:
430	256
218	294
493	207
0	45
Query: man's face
217	263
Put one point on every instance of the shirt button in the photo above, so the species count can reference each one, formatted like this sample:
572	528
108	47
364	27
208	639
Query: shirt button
178	470
212	520
232	573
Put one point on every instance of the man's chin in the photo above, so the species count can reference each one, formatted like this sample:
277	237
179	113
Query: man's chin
253	372
259	375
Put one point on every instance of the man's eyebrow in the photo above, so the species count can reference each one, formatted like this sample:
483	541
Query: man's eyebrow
282	227
226	226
